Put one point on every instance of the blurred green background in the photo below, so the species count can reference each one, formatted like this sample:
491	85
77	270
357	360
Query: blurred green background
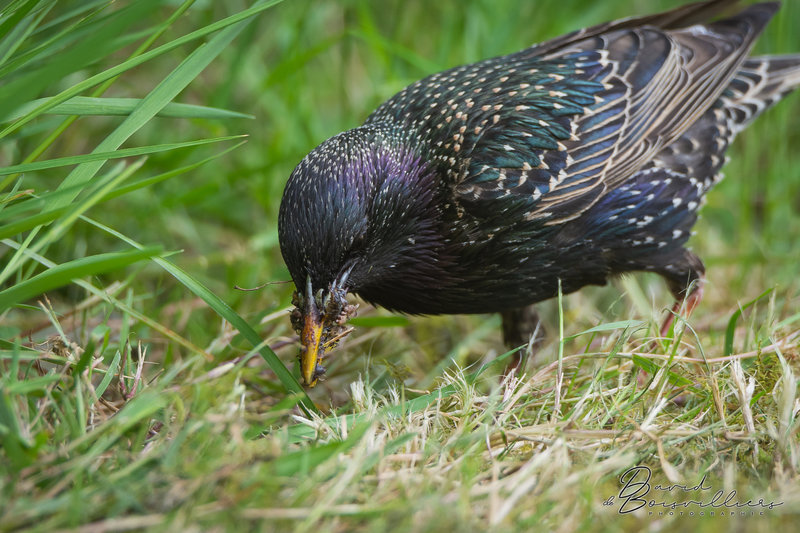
308	70
304	71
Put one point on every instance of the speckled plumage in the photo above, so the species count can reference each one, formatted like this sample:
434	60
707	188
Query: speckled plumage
480	188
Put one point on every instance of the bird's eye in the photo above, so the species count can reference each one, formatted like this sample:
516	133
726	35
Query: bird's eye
297	319
359	243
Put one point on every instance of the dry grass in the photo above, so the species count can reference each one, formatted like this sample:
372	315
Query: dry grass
128	403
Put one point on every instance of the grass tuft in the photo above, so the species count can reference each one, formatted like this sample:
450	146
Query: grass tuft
140	390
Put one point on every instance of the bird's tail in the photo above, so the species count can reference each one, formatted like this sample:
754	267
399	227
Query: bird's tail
759	84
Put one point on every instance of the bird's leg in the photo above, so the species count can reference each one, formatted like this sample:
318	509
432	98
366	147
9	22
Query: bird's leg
686	304
521	326
685	277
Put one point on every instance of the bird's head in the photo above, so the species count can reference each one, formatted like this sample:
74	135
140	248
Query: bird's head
359	214
320	319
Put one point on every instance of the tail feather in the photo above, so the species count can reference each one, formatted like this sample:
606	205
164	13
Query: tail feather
681	17
759	84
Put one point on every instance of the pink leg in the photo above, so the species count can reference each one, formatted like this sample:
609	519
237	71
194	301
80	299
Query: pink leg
691	301
681	266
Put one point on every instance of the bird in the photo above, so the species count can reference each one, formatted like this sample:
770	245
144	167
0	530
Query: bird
494	185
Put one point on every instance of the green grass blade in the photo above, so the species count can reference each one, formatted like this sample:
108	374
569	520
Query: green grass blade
85	106
16	18
29	385
20	33
28	223
106	156
225	311
152	180
299	432
42	201
159	97
55	133
65	273
105	295
78	88
110	372
301	462
95	46
14	443
66	37
730	331
610	326
61	19
103	187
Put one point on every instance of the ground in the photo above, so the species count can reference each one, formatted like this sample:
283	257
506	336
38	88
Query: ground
139	391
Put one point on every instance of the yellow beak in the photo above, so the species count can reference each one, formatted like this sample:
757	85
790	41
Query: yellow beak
319	333
311	354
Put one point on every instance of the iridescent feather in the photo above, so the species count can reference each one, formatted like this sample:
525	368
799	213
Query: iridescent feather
484	187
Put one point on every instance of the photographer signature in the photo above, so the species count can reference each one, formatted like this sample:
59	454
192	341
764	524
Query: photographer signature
636	489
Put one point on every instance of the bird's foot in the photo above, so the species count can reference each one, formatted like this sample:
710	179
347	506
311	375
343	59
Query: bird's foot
683	308
521	327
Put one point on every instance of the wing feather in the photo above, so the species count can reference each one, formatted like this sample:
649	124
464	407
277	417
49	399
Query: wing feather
543	134
656	84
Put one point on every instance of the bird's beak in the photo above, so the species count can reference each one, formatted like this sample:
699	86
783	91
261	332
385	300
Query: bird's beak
320	322
311	353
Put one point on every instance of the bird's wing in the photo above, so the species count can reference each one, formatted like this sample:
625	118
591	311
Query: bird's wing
559	130
681	17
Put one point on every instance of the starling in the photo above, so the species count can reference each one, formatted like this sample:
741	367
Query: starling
486	187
